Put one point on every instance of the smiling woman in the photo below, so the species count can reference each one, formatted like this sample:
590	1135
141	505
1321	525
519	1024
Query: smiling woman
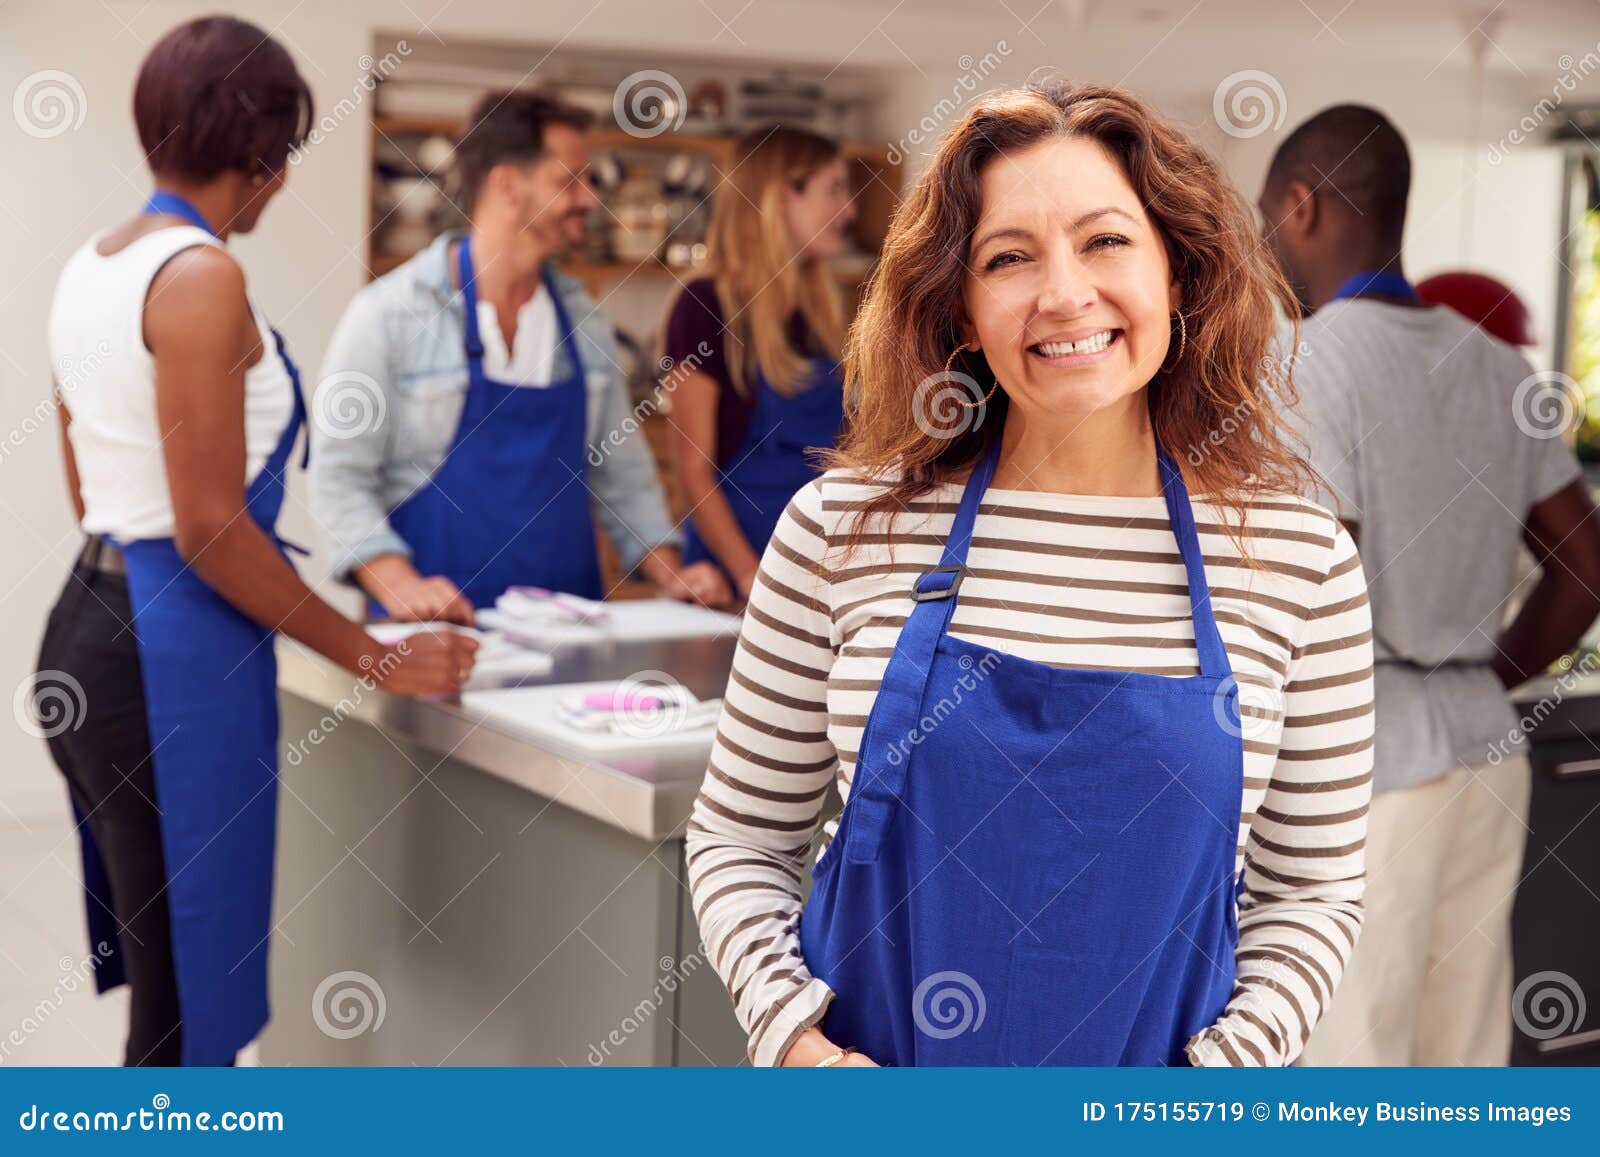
1105	752
1070	252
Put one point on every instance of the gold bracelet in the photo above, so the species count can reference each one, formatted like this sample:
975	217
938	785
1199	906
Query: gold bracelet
829	1061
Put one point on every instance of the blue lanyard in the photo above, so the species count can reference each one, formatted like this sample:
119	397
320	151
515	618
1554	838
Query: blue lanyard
163	202
1376	282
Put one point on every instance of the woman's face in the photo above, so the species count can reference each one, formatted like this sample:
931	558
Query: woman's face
1068	289
820	212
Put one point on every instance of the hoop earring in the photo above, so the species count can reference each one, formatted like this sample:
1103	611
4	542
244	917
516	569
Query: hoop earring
949	361
1183	340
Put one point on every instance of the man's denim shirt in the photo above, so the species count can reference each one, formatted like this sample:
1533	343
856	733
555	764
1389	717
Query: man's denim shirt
404	333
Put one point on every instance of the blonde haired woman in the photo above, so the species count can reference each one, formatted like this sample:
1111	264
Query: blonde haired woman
1105	752
755	342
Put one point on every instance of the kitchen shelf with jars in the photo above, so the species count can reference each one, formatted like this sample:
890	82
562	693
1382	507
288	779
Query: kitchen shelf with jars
656	175
656	172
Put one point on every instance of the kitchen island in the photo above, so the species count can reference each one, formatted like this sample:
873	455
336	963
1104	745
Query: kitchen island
453	889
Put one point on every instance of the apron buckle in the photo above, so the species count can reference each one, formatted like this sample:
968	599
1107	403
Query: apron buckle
923	594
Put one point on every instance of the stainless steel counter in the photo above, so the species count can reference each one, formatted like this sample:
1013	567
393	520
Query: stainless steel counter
496	898
648	795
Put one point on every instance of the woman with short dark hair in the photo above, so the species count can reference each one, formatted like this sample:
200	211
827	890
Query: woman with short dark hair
180	409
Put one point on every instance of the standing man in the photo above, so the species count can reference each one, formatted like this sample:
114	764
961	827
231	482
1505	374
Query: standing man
480	377
1410	416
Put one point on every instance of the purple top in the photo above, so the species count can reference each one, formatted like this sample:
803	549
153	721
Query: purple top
696	317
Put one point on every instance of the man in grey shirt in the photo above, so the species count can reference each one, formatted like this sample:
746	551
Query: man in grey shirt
471	423
1430	439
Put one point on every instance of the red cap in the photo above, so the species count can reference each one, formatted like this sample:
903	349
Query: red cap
1482	300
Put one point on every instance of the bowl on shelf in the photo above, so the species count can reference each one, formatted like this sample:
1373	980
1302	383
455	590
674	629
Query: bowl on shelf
409	199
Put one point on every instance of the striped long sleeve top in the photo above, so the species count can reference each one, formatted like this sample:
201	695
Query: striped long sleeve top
1072	581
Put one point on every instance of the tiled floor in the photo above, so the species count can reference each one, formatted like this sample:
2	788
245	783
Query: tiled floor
49	1013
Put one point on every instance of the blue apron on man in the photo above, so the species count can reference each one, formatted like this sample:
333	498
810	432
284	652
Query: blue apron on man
1376	283
1035	865
773	461
211	698
509	505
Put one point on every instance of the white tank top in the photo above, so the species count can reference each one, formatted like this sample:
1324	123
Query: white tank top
106	378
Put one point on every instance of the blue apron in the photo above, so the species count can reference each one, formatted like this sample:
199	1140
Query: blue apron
508	505
211	697
1036	864
772	462
1376	281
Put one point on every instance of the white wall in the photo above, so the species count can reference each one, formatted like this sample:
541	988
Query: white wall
305	262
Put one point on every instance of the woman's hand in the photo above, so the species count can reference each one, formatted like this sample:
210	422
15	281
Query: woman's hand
811	1046
427	663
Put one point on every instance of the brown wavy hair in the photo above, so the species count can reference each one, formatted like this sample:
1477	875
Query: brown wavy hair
1215	408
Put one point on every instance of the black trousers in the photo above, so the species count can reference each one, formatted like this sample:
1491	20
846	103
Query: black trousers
106	760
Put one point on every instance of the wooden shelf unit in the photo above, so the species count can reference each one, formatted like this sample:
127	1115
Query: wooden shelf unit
875	177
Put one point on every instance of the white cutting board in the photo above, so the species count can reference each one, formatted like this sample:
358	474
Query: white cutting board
628	620
498	657
534	711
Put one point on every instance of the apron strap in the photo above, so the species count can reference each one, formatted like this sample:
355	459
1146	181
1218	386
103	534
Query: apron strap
300	417
163	201
892	732
564	327
1382	282
171	204
1207	639
469	298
